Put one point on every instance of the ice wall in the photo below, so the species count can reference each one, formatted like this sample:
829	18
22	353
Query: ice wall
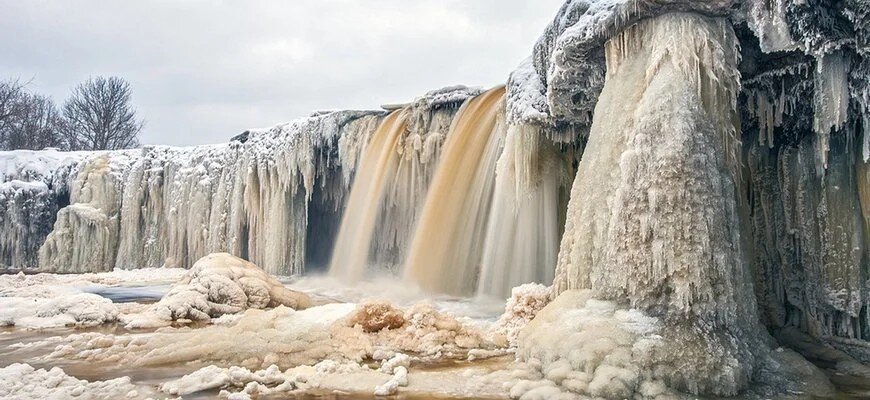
653	218
169	206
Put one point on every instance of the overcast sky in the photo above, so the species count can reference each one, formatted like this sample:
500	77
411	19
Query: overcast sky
203	71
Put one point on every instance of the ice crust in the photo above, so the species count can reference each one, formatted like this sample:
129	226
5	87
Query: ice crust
24	382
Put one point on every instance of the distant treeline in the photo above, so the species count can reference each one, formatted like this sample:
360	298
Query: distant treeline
98	115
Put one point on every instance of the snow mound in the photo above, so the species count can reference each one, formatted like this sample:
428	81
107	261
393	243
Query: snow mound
83	309
221	284
22	382
243	383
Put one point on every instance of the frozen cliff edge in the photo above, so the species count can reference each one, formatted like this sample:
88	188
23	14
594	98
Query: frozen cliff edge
252	197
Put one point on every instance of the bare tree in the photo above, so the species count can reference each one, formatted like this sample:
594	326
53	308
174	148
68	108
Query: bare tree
11	95
99	116
35	125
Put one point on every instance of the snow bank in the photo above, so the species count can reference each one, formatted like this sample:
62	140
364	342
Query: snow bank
256	339
23	382
376	316
83	309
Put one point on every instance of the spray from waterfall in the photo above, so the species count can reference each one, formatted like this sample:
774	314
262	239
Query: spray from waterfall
378	167
447	247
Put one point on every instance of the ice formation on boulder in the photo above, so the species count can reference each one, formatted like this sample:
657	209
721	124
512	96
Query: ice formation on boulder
220	284
521	308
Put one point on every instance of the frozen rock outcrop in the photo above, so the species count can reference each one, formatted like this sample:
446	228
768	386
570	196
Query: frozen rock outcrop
224	284
653	217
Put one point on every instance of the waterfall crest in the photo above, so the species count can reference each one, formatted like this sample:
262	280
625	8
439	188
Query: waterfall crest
376	170
445	253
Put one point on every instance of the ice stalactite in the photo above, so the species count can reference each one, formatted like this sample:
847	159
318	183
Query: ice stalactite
768	20
811	254
447	247
85	235
28	209
522	239
831	101
653	218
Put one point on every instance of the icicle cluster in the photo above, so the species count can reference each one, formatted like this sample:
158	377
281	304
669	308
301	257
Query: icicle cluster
169	206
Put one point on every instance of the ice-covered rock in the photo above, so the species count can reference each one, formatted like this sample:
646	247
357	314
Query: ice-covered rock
375	316
220	284
522	307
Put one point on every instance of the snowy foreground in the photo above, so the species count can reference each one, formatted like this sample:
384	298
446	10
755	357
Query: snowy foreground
226	329
65	338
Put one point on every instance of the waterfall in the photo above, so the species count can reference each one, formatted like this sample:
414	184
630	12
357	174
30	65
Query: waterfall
447	247
377	168
522	239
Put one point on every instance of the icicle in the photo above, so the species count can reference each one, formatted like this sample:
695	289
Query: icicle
831	101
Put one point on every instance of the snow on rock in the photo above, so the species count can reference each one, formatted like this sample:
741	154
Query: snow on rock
568	59
425	331
523	305
220	284
375	316
23	382
44	165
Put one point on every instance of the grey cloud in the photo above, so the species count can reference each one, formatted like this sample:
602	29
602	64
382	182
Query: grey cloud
204	70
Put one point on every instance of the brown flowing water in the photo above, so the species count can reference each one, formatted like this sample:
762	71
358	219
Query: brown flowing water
446	250
378	168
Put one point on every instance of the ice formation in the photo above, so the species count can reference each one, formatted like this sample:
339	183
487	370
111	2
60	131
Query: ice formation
719	156
22	381
220	284
653	215
82	309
